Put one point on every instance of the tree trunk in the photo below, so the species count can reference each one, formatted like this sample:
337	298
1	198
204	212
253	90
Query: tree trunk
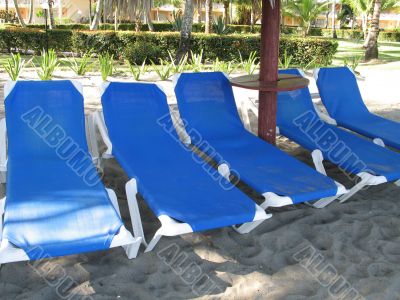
209	8
364	24
51	14
116	17
97	15
199	2
372	40
253	13
6	4
31	10
147	17
20	19
186	31
334	35
226	12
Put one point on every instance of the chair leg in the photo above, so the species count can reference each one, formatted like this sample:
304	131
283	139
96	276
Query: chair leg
131	193
247	227
355	189
154	241
323	202
2	206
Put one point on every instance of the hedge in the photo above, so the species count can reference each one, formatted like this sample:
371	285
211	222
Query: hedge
138	46
357	34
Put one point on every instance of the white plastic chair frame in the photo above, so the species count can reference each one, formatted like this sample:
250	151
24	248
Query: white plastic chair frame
9	252
367	179
169	226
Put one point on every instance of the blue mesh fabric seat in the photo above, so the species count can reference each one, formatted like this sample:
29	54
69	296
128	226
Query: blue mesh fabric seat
55	203
342	98
299	121
207	107
170	178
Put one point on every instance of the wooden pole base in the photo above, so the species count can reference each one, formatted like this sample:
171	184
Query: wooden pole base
267	116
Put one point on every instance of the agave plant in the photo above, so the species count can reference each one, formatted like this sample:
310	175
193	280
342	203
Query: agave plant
106	62
285	61
164	69
196	61
14	66
80	67
222	66
179	67
47	65
137	70
177	21
219	26
249	65
352	62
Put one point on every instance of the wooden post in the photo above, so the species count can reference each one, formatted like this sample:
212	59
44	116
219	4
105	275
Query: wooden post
270	30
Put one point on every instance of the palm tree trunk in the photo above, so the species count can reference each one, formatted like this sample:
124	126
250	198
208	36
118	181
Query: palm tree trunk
97	15
20	19
209	8
31	8
51	14
6	4
199	2
226	12
372	40
147	12
186	31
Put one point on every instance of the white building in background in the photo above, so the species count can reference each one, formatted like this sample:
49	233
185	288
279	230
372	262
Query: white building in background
64	10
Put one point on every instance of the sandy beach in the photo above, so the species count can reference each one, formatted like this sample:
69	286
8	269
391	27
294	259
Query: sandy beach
344	251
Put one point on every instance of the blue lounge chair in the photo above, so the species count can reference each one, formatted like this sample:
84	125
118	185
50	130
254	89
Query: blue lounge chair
208	110
299	121
55	203
139	133
341	96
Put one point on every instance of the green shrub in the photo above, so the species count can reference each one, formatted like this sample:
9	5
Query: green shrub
390	35
135	47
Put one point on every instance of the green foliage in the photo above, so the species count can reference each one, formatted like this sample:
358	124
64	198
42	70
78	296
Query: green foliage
135	47
249	65
352	62
196	61
47	65
219	26
177	21
14	65
80	67
285	60
164	69
306	11
137	70
106	62
179	66
222	66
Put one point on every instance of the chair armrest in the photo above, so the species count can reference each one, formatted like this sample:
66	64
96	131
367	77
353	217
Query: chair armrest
3	145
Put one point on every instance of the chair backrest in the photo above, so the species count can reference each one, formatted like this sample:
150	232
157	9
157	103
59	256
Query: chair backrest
40	116
340	94
138	110
293	104
206	103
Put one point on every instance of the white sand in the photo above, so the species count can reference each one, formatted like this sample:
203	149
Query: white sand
358	240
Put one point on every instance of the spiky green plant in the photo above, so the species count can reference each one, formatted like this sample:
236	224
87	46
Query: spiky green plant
196	61
106	62
14	65
80	67
164	69
352	62
179	66
219	26
222	66
137	70
285	61
47	64
249	65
